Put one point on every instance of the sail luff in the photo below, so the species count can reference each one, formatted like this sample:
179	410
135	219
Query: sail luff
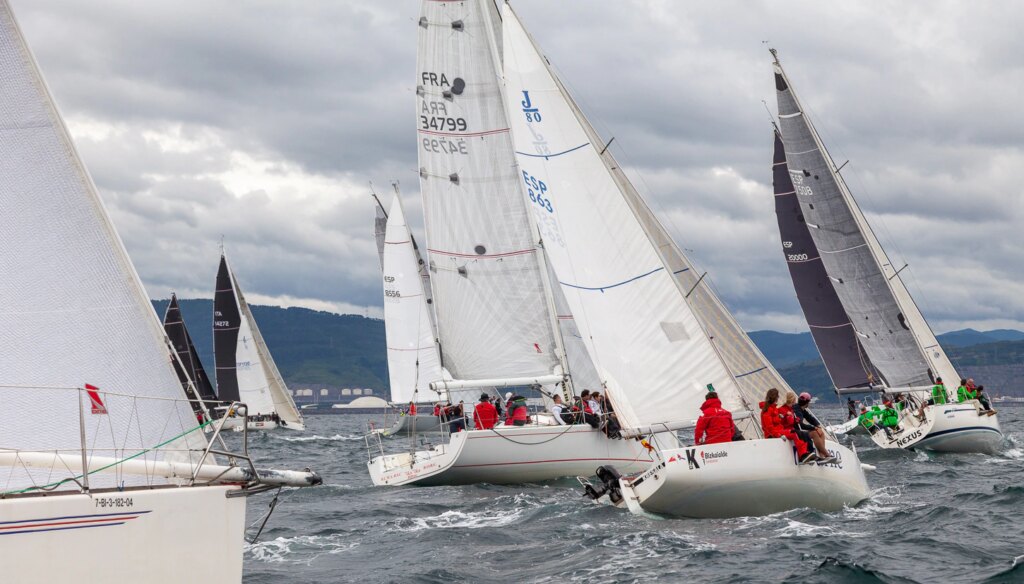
833	333
177	333
646	343
889	325
226	322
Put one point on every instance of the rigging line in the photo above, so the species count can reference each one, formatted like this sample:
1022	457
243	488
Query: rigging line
555	437
615	285
549	156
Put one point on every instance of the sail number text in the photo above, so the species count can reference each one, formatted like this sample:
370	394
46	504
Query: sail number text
536	190
443	124
114	502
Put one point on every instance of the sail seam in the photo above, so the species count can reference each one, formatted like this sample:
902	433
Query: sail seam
752	372
463	134
473	255
844	250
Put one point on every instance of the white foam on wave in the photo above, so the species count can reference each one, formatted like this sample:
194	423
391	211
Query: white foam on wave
335	438
882	501
460	520
301	549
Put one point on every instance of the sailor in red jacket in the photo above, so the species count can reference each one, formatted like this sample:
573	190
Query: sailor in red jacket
715	423
484	414
773	427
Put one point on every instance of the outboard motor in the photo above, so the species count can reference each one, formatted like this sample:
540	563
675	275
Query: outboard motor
610	485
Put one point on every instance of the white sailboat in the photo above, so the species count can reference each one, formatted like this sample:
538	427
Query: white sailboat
890	338
413	357
656	333
105	472
497	323
245	370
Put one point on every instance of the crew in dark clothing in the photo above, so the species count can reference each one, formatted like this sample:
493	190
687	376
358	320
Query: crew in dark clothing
458	419
851	408
809	423
983	400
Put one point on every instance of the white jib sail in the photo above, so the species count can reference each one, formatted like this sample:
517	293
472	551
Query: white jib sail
73	309
413	358
260	385
645	341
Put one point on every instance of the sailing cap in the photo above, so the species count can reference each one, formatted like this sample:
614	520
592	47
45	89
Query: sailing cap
484	397
508	395
805	396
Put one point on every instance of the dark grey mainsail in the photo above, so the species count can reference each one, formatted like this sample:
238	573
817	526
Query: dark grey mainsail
833	334
176	331
380	226
871	293
226	321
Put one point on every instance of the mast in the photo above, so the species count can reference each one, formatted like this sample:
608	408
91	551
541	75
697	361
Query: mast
891	329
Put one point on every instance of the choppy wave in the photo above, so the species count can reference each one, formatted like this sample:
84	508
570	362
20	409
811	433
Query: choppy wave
317	438
300	549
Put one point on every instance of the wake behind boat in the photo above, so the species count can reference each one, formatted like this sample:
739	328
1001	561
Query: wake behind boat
842	276
658	335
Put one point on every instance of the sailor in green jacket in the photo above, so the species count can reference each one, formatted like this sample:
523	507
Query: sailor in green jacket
890	418
939	397
867	419
965	392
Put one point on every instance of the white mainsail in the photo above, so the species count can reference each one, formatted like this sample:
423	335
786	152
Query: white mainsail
73	309
619	270
494	317
413	358
891	328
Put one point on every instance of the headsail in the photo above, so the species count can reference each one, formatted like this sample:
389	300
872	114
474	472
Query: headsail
74	310
413	358
616	265
493	316
889	326
380	225
192	367
833	333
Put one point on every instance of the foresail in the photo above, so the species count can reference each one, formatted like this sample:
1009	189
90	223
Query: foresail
192	367
253	382
283	403
833	333
226	322
493	317
889	325
647	345
74	311
380	225
413	358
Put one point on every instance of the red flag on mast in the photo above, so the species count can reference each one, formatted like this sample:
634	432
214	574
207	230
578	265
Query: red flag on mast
95	400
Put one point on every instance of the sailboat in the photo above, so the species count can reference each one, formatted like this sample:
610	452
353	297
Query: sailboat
413	357
888	347
245	370
191	373
497	323
656	332
105	472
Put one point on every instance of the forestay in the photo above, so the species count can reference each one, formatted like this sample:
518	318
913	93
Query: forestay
72	308
413	358
648	346
833	333
889	325
493	317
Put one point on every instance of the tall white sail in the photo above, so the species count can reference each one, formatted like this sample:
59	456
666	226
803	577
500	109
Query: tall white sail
494	318
413	358
615	268
889	326
260	385
72	308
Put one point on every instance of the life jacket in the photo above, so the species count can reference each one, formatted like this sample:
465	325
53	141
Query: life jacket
890	417
939	394
866	419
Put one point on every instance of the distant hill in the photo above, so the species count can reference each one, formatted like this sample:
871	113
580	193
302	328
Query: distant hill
314	347
308	346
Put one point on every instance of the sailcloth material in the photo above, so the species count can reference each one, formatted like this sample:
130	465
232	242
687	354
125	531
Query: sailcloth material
73	309
889	326
833	333
493	317
255	375
192	367
413	358
648	346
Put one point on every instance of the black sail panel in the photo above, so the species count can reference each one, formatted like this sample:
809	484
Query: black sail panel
831	328
226	321
177	332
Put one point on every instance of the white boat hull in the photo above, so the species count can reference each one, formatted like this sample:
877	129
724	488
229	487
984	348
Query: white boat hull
954	427
510	455
419	424
157	535
850	427
746	478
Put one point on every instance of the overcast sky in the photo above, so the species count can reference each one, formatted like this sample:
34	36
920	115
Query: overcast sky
264	122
